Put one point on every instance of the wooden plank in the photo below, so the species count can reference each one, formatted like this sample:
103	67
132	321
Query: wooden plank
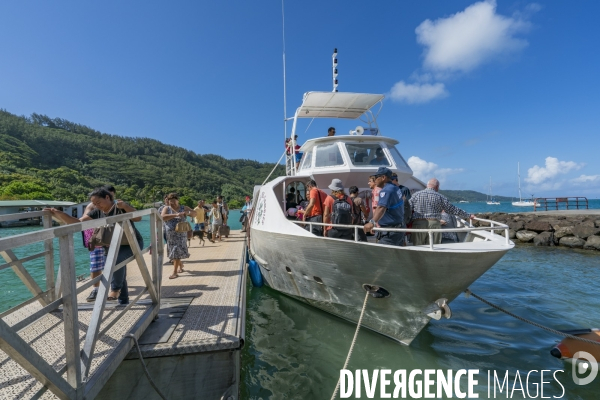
135	247
49	261
154	257
22	260
22	215
57	232
70	317
17	349
18	268
96	320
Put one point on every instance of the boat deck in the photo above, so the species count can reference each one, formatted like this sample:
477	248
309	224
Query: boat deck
201	311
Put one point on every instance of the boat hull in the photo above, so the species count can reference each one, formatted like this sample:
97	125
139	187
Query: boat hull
329	274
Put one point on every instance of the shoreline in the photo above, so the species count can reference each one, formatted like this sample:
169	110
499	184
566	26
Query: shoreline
576	229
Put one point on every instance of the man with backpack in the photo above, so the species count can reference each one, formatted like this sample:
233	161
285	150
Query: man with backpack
314	209
339	209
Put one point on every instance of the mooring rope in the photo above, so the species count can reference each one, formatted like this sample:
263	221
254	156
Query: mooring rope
559	333
137	346
362	312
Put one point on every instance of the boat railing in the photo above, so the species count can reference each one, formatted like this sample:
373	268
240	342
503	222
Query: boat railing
494	226
62	290
560	203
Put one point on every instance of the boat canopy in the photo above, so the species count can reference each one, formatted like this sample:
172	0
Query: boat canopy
337	104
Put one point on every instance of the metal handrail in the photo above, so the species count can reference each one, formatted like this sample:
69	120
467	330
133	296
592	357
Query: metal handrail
544	202
494	226
63	291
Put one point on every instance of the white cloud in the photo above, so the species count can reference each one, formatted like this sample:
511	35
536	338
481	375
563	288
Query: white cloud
414	93
460	43
467	39
425	170
537	175
587	179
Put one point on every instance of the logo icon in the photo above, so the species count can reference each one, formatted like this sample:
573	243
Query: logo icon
584	363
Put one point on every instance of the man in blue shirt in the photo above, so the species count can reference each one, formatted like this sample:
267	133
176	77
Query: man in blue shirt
390	210
379	158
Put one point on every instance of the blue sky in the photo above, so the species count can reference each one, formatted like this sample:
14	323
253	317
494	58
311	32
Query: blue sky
471	88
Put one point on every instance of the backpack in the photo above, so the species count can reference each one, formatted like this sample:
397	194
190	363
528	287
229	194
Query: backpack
342	212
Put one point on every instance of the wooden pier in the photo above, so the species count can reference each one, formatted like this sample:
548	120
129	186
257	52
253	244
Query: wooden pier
190	329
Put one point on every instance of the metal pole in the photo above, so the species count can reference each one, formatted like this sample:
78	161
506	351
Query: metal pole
49	248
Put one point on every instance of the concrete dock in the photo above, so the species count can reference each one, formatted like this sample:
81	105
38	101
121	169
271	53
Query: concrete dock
192	351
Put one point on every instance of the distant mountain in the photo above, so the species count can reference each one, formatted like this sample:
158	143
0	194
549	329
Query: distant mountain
45	158
470	195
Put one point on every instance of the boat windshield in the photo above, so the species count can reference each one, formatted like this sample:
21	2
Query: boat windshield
328	155
367	154
307	160
398	159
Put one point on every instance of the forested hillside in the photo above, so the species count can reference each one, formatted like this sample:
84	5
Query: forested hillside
45	158
470	195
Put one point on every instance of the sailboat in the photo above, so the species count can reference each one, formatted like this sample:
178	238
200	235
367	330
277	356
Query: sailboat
521	202
492	201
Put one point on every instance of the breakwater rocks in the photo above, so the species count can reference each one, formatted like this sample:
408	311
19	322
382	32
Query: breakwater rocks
575	231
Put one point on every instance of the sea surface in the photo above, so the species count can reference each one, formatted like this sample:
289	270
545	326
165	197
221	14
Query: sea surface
507	207
294	351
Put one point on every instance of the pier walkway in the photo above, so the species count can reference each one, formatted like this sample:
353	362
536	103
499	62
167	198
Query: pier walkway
57	345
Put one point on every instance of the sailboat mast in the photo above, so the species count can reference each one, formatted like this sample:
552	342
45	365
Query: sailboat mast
519	175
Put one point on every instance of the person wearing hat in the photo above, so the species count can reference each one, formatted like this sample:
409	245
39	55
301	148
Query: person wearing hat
338	209
389	212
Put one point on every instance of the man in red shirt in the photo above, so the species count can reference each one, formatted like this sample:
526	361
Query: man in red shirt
341	213
314	210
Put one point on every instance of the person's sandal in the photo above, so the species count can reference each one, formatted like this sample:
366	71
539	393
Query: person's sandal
174	276
114	298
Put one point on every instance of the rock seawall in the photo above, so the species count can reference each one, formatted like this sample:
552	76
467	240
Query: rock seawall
575	231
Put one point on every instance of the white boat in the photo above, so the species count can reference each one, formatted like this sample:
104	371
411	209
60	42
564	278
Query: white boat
491	200
413	283
521	202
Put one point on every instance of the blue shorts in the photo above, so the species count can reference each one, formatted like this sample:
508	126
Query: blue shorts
199	227
298	157
97	259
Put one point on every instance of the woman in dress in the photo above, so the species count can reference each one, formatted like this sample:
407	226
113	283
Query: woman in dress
176	241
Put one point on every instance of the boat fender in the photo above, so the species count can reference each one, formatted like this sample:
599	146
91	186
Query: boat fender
567	348
255	275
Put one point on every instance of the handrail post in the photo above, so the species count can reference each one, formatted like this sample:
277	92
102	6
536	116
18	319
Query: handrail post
356	233
154	239
70	317
49	259
430	240
506	236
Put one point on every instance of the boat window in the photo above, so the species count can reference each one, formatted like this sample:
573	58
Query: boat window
306	160
328	155
398	159
367	154
295	193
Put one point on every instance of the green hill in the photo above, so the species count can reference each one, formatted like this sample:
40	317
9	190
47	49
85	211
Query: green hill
44	158
470	196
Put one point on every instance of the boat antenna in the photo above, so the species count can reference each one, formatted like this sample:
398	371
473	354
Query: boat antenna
334	70
284	80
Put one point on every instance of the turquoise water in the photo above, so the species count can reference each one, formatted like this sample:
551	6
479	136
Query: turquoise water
482	207
294	351
13	291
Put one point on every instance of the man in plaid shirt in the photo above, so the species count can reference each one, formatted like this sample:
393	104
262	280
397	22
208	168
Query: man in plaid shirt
427	208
